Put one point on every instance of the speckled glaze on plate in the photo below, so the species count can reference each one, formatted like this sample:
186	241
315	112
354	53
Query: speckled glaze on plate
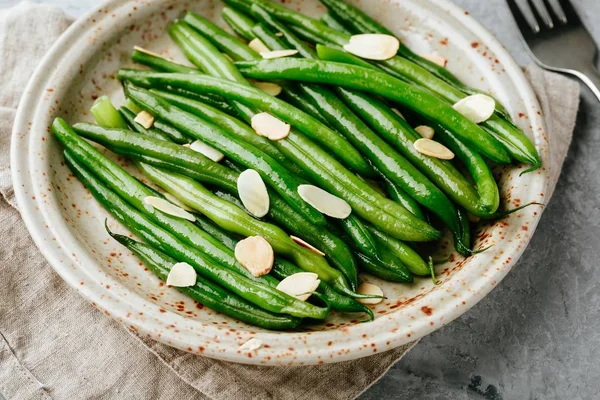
67	224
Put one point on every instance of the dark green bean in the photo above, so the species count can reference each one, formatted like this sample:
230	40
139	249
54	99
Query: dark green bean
205	292
259	294
235	149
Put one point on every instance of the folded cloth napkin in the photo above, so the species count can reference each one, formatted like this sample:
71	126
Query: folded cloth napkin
53	344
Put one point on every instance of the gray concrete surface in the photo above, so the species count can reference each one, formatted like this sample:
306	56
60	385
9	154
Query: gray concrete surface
537	335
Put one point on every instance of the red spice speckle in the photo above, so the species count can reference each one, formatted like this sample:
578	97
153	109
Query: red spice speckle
475	45
427	310
444	41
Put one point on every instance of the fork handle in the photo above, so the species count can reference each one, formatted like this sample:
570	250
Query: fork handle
591	77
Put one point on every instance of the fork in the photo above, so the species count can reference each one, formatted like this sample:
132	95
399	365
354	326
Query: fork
557	40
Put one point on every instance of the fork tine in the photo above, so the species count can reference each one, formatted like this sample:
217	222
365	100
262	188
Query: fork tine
523	17
569	10
543	13
558	10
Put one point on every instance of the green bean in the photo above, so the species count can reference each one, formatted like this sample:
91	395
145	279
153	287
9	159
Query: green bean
388	267
231	218
271	171
333	22
267	37
503	132
227	43
329	174
379	83
134	192
259	294
359	22
362	238
129	117
159	129
205	292
410	258
239	22
282	269
161	64
194	45
384	158
181	160
105	113
400	196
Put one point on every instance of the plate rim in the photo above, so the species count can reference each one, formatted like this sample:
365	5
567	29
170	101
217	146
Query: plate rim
387	340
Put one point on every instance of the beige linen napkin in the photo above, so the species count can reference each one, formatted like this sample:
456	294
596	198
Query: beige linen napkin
53	344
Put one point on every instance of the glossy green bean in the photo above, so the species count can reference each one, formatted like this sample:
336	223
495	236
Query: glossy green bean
505	133
359	22
134	192
181	160
239	22
231	218
276	176
300	120
400	196
282	269
406	254
228	44
205	292
388	268
259	294
328	173
333	22
382	84
217	117
160	63
362	238
382	155
159	129
129	117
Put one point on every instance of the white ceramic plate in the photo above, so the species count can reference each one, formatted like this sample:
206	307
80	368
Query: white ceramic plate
67	224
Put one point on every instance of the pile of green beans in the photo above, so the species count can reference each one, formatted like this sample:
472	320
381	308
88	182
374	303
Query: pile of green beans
346	137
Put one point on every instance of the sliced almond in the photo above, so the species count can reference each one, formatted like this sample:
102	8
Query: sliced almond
269	55
255	254
145	119
399	113
251	345
168	208
264	124
370	290
307	245
426	131
325	202
182	275
478	107
206	150
258	46
439	60
271	88
151	53
177	202
253	193
433	149
373	46
300	285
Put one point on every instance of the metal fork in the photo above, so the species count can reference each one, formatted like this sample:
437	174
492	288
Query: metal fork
557	39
